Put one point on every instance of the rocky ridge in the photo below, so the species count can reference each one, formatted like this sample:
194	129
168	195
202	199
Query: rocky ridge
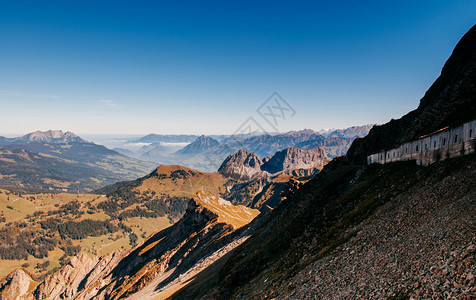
292	158
246	165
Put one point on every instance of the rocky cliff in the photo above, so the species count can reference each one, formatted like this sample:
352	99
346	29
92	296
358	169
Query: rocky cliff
241	165
16	286
246	165
292	158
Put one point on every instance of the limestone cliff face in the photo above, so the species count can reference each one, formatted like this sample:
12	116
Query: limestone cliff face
257	183
16	286
293	158
246	165
241	165
83	271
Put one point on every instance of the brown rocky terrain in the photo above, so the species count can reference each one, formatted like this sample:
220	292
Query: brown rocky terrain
421	244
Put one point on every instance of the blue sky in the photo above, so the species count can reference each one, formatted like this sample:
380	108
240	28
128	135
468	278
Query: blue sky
136	67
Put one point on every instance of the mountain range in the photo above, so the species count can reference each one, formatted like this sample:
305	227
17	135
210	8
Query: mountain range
50	137
61	161
284	224
246	165
392	231
207	153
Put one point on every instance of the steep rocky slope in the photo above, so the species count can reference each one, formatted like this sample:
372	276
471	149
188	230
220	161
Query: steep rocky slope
422	243
16	285
83	270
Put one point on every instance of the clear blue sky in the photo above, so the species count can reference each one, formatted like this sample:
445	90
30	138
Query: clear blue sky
195	67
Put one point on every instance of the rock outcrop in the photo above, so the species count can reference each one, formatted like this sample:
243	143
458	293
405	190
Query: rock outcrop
245	165
292	158
81	273
241	165
235	215
16	285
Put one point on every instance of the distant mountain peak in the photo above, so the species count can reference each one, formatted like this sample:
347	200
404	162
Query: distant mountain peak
301	133
351	132
51	136
201	144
